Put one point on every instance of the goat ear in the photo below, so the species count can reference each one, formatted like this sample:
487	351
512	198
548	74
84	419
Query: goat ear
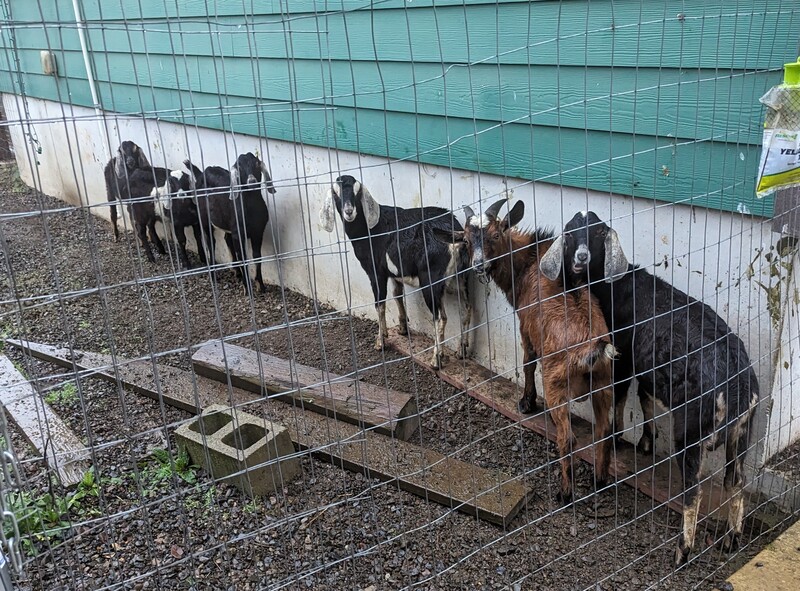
616	261
550	263
141	159
514	216
266	182
447	236
192	178
327	215
236	190
372	209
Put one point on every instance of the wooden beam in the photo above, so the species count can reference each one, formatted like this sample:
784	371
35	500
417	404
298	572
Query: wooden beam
347	399
487	494
661	482
41	426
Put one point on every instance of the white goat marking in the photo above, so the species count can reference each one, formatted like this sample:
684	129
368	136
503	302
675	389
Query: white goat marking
584	213
452	266
395	272
177	174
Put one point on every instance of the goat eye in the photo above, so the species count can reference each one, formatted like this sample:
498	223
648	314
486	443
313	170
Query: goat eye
496	236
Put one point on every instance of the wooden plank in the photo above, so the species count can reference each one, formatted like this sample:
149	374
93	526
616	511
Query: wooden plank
389	411
488	494
661	482
42	427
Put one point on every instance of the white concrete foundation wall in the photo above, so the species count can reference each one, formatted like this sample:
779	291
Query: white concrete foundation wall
707	253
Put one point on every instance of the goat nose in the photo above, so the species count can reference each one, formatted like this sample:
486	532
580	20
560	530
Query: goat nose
251	180
582	256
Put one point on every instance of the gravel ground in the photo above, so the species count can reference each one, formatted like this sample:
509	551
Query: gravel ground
788	462
145	527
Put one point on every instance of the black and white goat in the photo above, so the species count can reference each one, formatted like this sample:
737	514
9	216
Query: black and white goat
236	202
680	351
129	158
398	244
176	208
141	186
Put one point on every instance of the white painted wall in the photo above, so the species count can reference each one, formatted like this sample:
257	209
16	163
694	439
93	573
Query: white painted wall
707	251
784	410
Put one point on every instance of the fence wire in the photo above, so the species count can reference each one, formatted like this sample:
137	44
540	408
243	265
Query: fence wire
337	459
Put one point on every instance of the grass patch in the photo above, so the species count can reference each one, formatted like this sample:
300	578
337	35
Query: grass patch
45	518
66	395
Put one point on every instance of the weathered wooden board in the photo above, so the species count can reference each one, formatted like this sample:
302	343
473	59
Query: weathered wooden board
489	495
659	482
390	411
42	427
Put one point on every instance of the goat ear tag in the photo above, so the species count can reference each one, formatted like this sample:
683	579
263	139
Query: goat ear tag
550	263
326	215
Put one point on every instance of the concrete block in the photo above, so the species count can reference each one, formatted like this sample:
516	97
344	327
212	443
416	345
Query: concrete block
240	448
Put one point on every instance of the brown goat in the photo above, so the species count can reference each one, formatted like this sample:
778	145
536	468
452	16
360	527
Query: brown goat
567	331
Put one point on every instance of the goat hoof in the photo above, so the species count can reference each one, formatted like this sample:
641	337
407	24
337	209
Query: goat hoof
436	362
564	497
730	542
379	345
681	555
402	330
526	406
463	352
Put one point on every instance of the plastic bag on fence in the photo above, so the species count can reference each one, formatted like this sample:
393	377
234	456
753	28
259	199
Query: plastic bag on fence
779	167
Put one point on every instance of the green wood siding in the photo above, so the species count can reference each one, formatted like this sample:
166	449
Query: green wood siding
652	98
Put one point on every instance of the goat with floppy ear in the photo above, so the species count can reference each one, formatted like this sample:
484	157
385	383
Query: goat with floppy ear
239	209
117	172
568	333
398	244
682	354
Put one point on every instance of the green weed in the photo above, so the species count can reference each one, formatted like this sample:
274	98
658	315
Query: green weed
66	395
166	468
46	517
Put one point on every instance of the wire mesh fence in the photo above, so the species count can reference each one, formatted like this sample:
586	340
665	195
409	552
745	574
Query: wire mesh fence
381	364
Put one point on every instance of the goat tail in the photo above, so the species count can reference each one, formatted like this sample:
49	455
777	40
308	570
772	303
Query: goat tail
594	352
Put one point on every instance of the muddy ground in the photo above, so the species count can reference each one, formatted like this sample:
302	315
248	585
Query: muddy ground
144	526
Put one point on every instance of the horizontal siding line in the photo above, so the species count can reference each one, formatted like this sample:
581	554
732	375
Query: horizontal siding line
314	104
672	146
129	22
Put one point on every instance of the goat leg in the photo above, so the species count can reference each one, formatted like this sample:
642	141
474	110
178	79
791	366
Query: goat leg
466	317
141	230
397	292
689	461
559	412
735	449
439	325
601	404
255	243
647	440
114	222
154	237
527	404
382	333
198	238
180	238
